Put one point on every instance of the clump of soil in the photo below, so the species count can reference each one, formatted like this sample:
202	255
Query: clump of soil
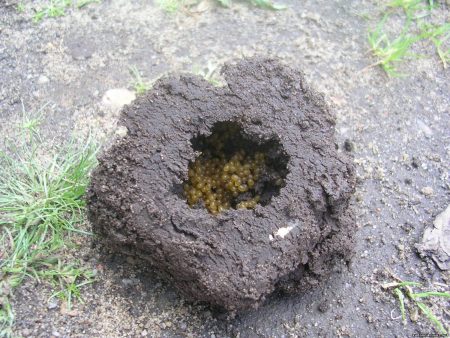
232	171
289	240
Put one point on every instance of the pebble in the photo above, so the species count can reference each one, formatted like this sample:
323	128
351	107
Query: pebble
415	162
144	333
427	191
349	145
127	282
122	131
43	79
26	332
117	98
53	304
424	128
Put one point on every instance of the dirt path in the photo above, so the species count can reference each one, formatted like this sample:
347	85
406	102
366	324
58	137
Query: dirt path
398	131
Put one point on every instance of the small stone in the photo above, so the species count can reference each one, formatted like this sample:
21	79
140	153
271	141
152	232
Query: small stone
168	324
127	282
424	128
415	162
408	181
122	131
324	306
43	79
52	304
117	98
144	333
26	332
436	240
56	334
349	145
427	191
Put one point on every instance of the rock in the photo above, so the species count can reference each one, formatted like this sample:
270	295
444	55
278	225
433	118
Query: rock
52	304
137	206
436	240
349	145
43	79
117	98
127	282
26	332
427	191
424	128
415	162
122	131
323	306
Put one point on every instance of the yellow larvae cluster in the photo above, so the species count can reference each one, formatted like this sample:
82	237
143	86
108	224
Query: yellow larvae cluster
218	181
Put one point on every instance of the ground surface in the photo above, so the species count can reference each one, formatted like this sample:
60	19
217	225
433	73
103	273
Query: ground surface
398	127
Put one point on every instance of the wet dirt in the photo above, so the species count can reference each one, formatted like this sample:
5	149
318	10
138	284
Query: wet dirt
396	129
237	258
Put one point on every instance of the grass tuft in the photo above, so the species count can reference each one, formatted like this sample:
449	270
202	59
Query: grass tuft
392	49
268	4
41	204
210	73
403	291
140	86
439	35
57	8
173	6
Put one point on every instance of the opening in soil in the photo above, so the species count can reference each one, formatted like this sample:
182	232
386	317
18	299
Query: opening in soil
234	171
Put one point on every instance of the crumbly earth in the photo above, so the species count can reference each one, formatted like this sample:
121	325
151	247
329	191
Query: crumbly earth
236	258
396	128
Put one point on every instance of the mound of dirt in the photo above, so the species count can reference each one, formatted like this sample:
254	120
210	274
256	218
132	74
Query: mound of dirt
299	222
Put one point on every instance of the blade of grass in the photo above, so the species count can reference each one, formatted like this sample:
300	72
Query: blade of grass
430	315
430	294
401	299
399	284
41	204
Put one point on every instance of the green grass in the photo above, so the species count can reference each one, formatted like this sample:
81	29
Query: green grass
412	7
172	6
439	35
390	48
20	7
404	293
209	74
57	8
139	85
389	52
266	4
41	205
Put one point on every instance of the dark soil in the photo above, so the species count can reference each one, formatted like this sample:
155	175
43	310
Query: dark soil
233	260
396	129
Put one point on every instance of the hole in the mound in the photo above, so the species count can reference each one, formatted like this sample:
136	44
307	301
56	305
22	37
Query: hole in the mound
234	171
